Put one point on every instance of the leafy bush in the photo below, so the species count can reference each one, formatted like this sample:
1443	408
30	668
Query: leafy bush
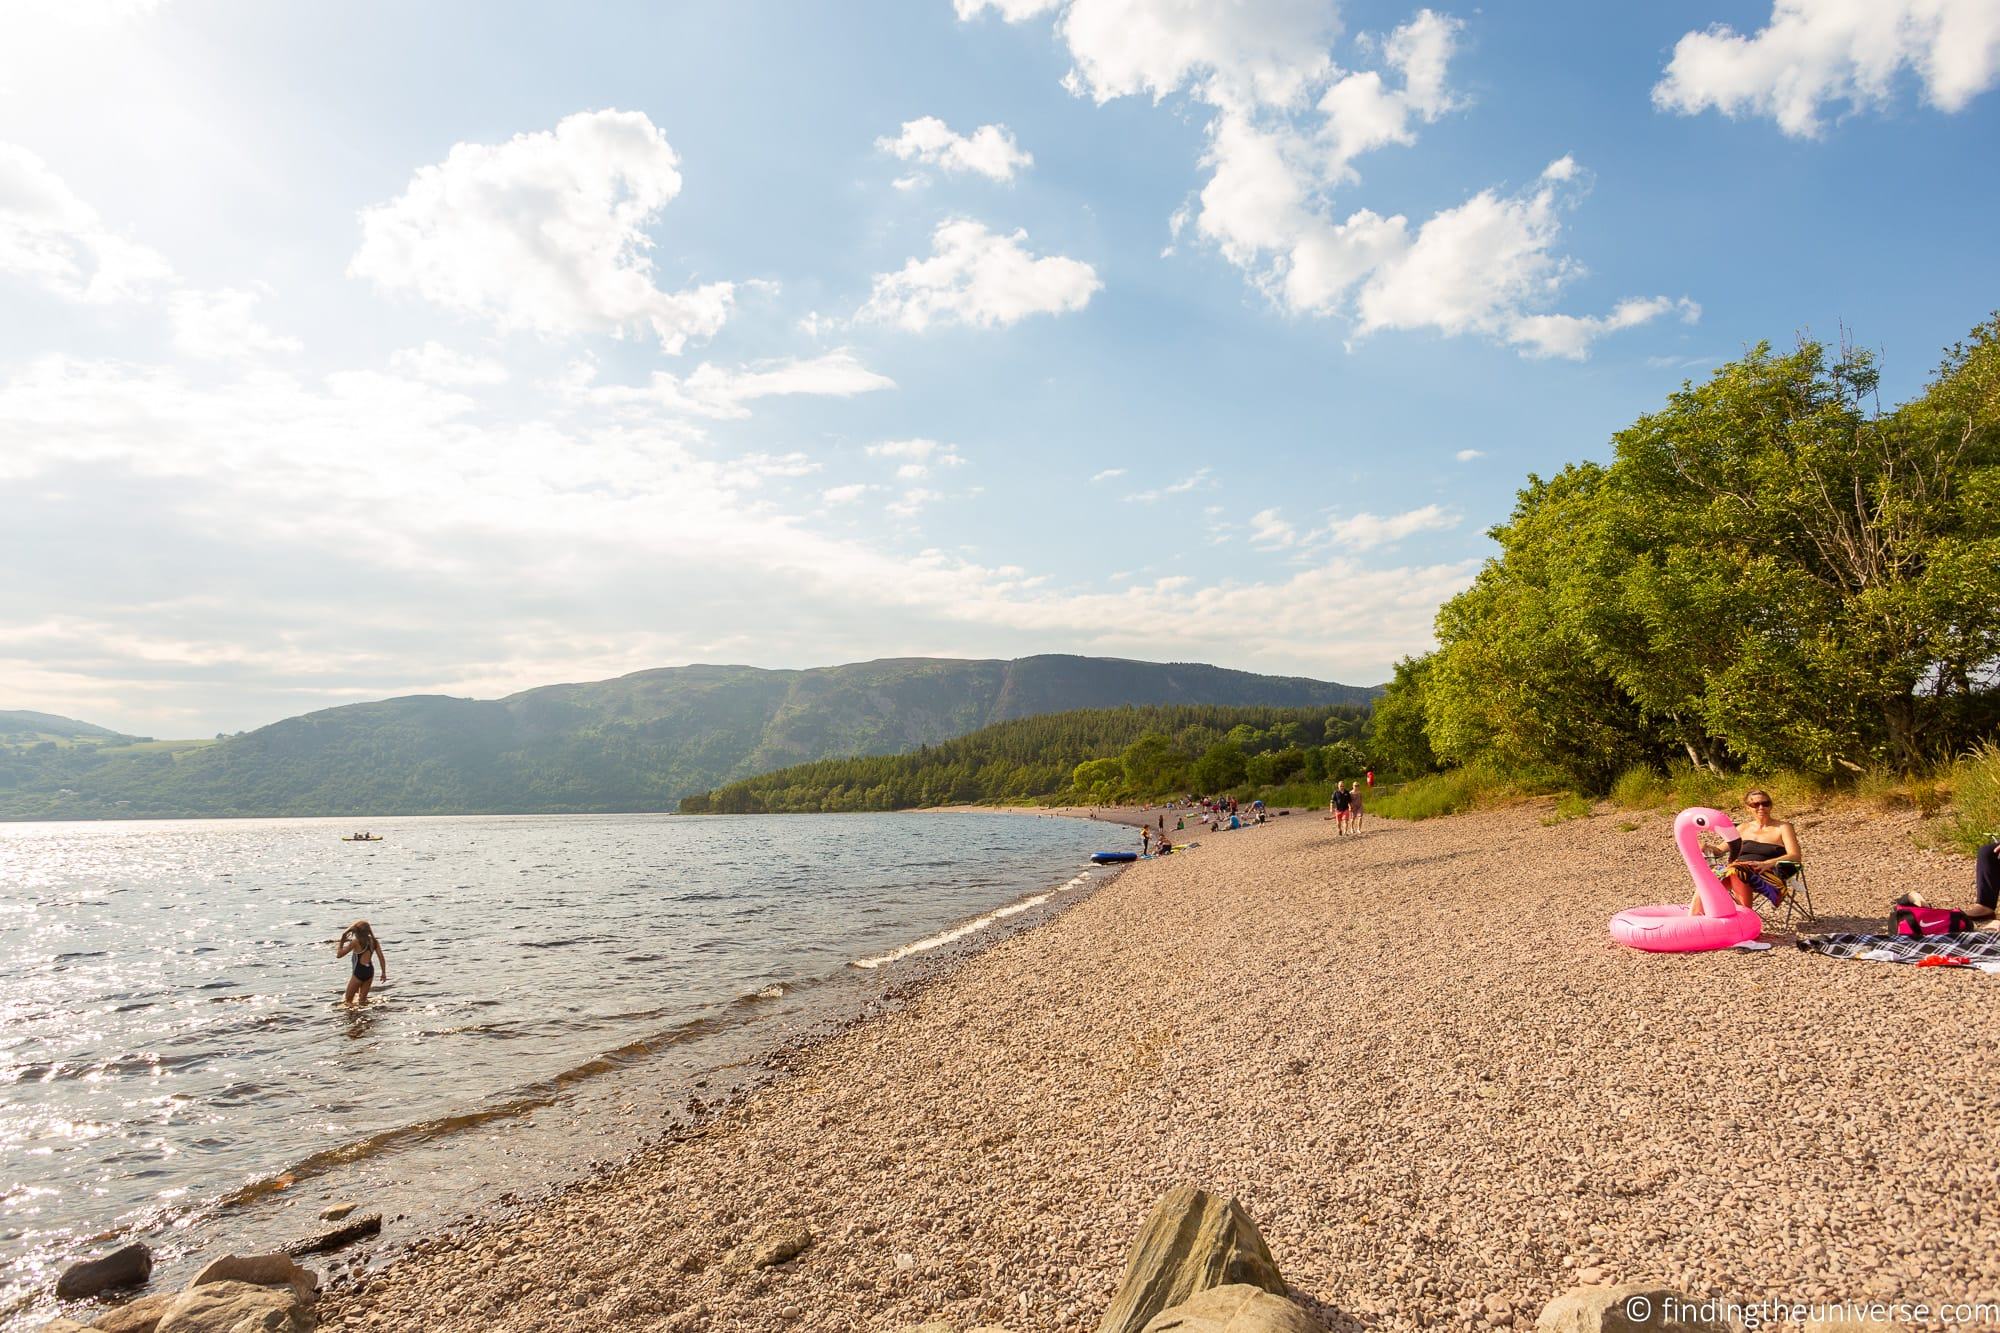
1458	789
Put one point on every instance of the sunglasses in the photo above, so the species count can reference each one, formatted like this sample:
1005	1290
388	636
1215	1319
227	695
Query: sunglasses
1758	805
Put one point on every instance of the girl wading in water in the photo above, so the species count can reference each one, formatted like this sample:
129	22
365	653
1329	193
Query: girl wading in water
359	941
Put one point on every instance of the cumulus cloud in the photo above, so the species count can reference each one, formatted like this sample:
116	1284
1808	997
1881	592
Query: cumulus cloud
435	363
1287	129
51	237
989	151
1571	335
848	494
223	325
1813	54
544	233
1365	531
1270	531
1469	455
915	458
979	278
1108	474
722	391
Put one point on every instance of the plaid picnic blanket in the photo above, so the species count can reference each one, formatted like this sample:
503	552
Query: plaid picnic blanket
1975	948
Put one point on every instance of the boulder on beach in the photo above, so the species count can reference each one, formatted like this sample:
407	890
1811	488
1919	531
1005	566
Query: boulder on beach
226	1307
1236	1308
127	1267
334	1212
61	1325
140	1316
259	1270
774	1244
1193	1241
1635	1307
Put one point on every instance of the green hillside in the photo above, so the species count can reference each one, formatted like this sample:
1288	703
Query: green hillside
640	742
1086	756
23	727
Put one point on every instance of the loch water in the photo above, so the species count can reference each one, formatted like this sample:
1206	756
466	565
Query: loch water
175	1065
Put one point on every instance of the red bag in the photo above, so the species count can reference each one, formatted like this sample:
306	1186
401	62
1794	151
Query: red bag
1920	922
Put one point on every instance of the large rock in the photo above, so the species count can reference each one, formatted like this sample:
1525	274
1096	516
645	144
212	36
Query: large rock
1193	1241
138	1317
121	1268
1635	1307
62	1325
238	1307
260	1270
1237	1308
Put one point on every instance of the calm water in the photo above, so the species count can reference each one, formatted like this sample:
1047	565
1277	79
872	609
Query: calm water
177	1067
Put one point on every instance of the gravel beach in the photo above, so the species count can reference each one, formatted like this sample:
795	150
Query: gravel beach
1414	1055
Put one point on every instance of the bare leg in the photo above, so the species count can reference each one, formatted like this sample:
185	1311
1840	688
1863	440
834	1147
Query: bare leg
361	989
354	988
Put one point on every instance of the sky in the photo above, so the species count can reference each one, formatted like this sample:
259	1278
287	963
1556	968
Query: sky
359	349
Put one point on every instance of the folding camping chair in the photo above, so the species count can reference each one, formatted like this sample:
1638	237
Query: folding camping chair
1794	906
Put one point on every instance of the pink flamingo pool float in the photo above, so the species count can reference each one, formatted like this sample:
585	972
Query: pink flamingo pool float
1667	927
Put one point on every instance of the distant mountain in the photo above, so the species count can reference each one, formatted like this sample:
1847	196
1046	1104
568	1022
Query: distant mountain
640	742
22	727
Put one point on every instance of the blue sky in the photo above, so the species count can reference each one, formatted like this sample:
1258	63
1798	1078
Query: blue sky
361	349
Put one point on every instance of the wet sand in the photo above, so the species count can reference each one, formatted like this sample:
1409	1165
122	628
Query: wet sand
1415	1056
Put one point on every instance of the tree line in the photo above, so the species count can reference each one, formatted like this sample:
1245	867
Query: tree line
1772	572
1087	756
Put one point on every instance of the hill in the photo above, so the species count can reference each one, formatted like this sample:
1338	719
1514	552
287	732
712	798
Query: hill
1091	756
23	727
639	742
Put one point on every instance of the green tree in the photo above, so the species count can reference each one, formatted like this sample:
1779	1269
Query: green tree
1221	768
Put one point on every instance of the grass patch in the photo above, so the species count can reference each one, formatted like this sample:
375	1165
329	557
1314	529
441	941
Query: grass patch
1974	782
1457	790
1628	826
1570	805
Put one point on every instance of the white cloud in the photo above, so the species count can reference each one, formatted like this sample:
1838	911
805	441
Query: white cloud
504	546
1814	53
545	233
1013	11
1270	531
916	457
223	325
1249	52
1469	455
980	278
989	151
848	494
54	239
912	501
719	391
1571	335
1108	474
434	363
1365	531
1287	130
1202	478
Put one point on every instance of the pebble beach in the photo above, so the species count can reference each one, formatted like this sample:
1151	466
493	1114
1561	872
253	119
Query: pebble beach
1414	1055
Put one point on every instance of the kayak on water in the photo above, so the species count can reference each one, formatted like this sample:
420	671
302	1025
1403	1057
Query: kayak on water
1106	858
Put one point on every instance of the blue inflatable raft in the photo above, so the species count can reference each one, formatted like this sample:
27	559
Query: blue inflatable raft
1109	858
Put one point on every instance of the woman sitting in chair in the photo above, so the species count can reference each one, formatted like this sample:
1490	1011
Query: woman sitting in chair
1765	856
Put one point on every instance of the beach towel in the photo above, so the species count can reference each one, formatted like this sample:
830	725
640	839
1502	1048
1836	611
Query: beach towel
1976	948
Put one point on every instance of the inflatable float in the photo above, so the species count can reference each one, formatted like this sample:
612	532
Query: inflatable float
1112	858
1667	927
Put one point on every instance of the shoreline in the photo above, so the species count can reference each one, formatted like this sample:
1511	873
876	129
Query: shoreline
1247	1019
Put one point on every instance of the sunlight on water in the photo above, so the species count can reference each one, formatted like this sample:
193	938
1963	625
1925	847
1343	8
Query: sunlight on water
177	1066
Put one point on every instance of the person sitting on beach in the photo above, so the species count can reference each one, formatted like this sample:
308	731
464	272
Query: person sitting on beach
1166	845
359	941
1757	855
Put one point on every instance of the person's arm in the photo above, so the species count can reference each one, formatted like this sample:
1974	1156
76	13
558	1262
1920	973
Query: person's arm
344	946
383	958
1793	852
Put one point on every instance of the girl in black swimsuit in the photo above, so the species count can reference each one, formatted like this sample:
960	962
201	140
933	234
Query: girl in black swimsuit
359	942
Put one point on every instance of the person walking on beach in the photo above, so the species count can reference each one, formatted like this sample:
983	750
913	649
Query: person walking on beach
1341	803
359	942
